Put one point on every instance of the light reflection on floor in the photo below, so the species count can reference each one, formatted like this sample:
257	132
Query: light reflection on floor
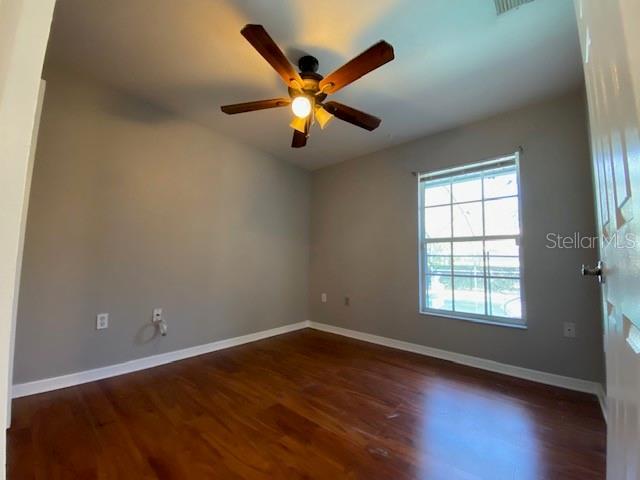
474	432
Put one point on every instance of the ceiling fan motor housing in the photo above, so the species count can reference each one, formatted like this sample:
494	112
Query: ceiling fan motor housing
308	64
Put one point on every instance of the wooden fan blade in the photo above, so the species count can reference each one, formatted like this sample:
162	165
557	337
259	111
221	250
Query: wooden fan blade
351	115
299	139
369	60
258	37
257	105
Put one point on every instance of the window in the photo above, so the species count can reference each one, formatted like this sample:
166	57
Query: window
470	242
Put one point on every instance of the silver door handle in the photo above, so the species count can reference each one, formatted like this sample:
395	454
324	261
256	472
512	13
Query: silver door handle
596	271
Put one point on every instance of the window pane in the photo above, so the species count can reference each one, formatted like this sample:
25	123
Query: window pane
469	295
439	248
467	190
504	267
501	217
502	247
438	264
467	248
438	259
438	289
438	194
504	298
500	185
467	258
503	258
467	220
437	222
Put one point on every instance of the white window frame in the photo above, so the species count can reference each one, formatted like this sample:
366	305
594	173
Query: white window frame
422	242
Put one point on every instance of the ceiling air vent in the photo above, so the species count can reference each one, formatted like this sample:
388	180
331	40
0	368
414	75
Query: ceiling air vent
503	6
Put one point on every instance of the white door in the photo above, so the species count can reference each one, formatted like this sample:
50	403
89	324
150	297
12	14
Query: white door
610	40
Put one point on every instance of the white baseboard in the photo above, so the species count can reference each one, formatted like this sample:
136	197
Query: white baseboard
481	363
54	383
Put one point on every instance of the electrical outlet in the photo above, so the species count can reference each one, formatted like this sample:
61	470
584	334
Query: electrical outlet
569	329
157	315
102	321
323	297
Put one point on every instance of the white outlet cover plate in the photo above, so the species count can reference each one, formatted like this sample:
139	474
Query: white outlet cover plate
102	321
569	329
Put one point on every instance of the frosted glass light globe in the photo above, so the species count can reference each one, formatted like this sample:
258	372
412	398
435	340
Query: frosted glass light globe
301	107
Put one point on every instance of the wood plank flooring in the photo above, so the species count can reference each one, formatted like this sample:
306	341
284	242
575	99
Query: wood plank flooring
308	405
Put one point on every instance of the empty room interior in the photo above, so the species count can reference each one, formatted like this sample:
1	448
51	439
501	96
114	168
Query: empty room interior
389	239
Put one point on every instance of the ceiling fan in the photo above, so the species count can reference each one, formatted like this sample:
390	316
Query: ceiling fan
308	89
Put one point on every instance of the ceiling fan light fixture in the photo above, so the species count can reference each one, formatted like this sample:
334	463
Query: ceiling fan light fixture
301	106
298	124
322	116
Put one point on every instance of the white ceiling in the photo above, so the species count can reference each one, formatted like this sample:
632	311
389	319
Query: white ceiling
456	61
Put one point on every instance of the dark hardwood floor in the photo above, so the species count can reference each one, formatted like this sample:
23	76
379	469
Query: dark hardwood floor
308	405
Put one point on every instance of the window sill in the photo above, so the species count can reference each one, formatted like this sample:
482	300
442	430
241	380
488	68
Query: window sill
485	321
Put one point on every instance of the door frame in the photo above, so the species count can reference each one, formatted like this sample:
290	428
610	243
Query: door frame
23	228
24	33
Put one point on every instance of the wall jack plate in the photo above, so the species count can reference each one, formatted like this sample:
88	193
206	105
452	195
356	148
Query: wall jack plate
102	321
569	329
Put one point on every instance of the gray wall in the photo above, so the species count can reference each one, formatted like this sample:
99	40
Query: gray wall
364	241
131	209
